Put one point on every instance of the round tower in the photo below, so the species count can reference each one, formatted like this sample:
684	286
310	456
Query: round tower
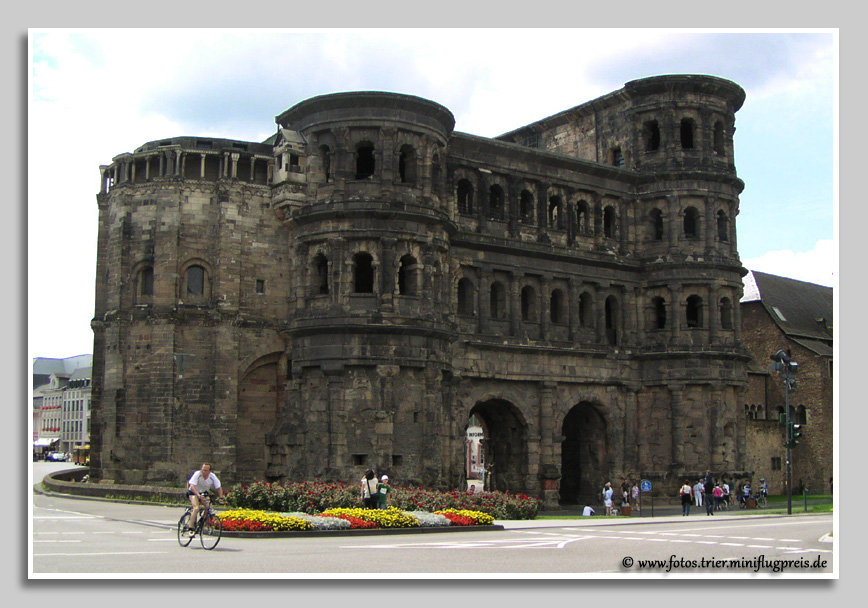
369	321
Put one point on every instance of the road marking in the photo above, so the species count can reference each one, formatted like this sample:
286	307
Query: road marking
56	541
93	554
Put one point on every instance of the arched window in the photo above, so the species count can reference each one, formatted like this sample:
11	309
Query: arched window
145	283
652	136
585	310
656	224
528	304
363	273
719	146
407	164
365	163
726	313
498	300
325	155
525	207
408	279
583	215
801	415
694	312
722	226
465	297
609	223
691	223
321	274
495	202
195	281
658	312
557	307
556	213
465	197
687	127
612	320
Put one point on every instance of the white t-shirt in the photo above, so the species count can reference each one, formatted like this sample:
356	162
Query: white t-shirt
202	484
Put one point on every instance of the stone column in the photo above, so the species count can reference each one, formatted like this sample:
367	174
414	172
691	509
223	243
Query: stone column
549	471
545	307
675	312
485	277
678	416
674	218
515	304
713	313
235	156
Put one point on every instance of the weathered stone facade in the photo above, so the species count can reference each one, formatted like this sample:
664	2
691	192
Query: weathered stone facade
348	293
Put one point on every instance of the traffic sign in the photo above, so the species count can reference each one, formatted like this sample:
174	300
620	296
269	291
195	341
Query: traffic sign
645	485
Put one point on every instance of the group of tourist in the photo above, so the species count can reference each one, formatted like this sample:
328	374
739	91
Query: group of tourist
629	496
375	494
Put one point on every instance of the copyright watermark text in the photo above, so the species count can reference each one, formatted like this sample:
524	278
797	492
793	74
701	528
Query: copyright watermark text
754	564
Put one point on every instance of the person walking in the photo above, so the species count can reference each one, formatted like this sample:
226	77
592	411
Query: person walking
369	490
698	490
635	496
686	498
607	497
709	493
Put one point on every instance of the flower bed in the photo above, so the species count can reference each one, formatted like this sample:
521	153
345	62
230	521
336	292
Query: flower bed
250	520
314	498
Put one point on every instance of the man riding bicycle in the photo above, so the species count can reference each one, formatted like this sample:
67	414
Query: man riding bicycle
198	487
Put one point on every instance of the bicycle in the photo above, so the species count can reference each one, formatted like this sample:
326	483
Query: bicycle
761	499
209	528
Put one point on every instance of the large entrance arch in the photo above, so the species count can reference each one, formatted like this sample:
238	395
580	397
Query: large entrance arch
504	445
259	397
584	455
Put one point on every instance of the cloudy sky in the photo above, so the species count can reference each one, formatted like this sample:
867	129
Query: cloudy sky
97	93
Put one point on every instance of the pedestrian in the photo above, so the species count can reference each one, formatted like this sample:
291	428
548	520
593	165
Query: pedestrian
698	490
383	490
709	494
726	497
369	490
607	497
635	495
686	496
718	496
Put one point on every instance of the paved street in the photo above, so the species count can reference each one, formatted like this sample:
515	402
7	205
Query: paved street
104	539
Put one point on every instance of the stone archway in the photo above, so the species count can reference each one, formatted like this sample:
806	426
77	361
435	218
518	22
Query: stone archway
260	394
584	455
504	444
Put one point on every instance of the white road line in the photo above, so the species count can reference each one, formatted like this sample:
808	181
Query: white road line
56	541
93	554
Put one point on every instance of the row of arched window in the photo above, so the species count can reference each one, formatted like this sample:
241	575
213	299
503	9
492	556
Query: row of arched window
408	278
196	283
798	415
583	222
686	135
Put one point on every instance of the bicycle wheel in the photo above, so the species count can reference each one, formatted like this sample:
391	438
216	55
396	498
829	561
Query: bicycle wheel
212	529
183	530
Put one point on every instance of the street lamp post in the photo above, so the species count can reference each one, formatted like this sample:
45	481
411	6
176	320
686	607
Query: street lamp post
787	370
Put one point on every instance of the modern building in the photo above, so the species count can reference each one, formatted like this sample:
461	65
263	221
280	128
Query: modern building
353	291
61	403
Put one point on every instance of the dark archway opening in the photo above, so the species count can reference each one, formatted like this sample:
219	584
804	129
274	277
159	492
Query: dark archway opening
504	445
584	455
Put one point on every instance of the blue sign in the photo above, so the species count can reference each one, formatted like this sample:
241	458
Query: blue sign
645	485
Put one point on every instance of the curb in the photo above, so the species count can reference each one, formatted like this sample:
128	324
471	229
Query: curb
368	532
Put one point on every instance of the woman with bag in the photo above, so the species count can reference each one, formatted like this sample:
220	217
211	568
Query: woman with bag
369	490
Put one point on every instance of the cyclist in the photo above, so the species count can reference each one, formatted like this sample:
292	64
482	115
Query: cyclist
201	481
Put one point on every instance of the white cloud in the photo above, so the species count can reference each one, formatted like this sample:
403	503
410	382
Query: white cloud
819	265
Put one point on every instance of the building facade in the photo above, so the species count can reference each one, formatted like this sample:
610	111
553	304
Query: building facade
61	403
797	317
351	292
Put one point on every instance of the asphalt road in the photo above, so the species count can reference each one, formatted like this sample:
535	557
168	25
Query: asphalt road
102	539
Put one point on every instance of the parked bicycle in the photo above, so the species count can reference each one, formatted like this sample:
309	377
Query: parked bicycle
209	528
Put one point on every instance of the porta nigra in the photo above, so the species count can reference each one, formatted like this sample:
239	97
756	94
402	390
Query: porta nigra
364	286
